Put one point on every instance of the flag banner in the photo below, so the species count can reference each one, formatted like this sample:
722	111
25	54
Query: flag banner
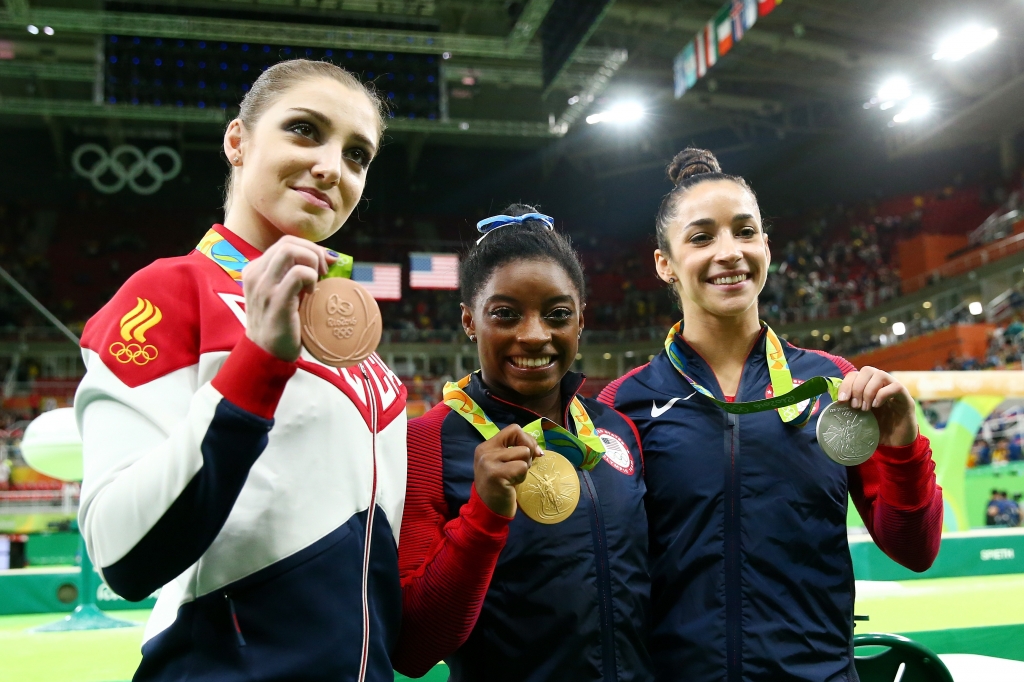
711	42
382	280
433	271
723	30
727	27
685	69
702	54
749	14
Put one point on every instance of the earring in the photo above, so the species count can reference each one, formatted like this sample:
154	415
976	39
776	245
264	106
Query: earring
472	337
671	280
237	158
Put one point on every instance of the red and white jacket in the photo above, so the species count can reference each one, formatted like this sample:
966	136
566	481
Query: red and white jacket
263	497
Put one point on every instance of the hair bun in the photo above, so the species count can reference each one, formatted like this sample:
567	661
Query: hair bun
690	162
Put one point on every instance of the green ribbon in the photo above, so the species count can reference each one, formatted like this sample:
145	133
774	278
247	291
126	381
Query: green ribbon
786	396
218	249
584	450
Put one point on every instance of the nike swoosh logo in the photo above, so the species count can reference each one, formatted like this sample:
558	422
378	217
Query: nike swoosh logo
658	411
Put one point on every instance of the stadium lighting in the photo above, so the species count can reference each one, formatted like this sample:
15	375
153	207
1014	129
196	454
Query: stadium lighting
916	108
34	30
972	38
975	308
624	112
48	30
893	90
899	329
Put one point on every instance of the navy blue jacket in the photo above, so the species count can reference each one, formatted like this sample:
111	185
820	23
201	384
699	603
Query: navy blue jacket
751	572
567	601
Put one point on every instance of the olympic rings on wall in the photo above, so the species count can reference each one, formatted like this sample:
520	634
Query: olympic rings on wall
139	164
133	352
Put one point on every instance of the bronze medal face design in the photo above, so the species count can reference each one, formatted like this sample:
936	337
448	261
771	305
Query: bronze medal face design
848	436
341	323
551	490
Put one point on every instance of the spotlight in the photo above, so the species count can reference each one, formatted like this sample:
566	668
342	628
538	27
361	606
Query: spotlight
975	308
965	41
48	30
573	100
916	108
34	30
893	90
899	329
446	55
624	112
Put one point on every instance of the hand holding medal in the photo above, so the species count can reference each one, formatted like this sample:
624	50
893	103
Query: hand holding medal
340	321
871	391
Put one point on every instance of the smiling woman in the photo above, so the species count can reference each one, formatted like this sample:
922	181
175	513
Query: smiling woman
559	591
749	559
256	488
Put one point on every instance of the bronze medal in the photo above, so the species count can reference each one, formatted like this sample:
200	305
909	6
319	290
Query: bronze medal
551	490
341	324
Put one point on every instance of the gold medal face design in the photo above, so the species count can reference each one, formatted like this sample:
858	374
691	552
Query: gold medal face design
341	323
551	490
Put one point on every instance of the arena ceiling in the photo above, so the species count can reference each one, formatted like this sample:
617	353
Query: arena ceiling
802	73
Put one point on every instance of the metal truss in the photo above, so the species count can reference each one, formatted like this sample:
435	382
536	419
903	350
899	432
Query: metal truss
27	106
79	73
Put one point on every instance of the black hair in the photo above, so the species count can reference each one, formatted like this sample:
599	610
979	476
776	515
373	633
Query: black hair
688	168
531	240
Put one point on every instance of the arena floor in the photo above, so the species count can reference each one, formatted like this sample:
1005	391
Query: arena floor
952	615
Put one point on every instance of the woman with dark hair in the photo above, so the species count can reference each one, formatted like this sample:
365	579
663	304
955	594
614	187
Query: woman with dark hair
750	567
257	488
558	588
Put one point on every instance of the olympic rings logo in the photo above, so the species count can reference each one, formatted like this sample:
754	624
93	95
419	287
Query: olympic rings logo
139	164
133	352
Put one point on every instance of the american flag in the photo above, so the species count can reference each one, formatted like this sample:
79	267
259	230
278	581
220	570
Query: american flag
433	271
382	280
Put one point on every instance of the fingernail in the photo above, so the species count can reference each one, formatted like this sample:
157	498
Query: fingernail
854	403
876	403
843	396
334	254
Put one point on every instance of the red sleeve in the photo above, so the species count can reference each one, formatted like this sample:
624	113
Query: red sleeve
900	502
898	499
445	564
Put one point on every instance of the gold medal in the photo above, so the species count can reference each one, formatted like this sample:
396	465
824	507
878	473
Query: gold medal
341	323
551	490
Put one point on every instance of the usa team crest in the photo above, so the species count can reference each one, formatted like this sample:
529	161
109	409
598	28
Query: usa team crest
616	452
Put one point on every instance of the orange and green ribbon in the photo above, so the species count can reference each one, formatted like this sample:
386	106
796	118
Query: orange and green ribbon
222	252
584	450
786	396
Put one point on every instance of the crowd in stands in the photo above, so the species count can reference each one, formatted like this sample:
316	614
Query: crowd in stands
1002	510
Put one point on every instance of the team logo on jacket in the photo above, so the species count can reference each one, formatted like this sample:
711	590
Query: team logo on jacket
616	452
133	347
769	393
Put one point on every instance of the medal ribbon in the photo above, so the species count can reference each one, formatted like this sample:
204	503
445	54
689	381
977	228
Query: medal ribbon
223	253
584	450
785	395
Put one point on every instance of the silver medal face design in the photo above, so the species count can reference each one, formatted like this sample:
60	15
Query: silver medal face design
848	436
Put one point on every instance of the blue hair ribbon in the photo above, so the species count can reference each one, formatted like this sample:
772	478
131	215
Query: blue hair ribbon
487	225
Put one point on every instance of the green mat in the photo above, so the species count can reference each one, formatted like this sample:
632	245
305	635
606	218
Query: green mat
978	615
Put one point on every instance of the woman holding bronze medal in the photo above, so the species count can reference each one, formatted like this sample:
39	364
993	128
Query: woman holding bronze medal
556	589
745	438
258	484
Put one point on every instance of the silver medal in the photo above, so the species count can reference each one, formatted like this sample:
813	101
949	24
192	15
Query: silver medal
848	436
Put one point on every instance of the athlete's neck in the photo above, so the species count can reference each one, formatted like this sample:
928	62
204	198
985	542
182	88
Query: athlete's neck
546	405
256	230
725	342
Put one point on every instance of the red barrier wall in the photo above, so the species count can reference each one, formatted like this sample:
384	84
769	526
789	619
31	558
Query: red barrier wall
925	352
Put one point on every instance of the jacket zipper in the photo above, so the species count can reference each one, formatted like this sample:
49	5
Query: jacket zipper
733	590
372	400
600	539
604	588
234	620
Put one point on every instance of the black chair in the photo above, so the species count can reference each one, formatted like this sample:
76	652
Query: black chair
918	662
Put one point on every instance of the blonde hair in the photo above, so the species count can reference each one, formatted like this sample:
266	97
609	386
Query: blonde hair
283	76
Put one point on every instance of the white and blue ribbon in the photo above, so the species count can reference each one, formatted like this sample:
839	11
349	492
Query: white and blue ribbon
488	225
